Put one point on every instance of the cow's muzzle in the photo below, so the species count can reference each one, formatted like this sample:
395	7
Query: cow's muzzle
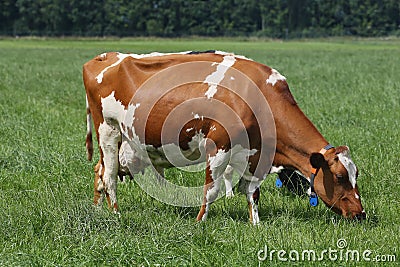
361	216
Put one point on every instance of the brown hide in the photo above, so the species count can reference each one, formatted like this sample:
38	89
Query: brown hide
296	137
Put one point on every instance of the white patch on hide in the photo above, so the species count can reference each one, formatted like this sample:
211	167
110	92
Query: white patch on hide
126	155
309	191
172	155
122	56
112	108
248	186
130	115
100	76
231	54
212	193
214	79
88	119
237	157
134	154
198	140
109	136
274	77
276	169
254	209
218	163
100	186
197	116
228	173
100	170
351	168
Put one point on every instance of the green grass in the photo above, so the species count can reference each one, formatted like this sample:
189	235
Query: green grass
348	88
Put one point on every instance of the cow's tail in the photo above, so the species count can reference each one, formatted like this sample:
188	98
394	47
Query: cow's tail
89	142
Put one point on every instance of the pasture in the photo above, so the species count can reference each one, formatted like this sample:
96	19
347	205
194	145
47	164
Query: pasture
350	89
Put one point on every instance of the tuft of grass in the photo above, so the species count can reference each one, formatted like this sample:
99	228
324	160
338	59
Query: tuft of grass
348	88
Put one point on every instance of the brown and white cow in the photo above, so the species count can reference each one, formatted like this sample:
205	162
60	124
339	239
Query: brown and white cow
225	123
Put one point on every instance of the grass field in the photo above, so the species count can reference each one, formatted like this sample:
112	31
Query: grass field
350	89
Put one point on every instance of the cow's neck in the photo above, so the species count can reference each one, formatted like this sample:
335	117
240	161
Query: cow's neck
296	140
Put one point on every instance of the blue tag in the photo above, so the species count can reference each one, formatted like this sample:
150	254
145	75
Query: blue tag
278	183
314	200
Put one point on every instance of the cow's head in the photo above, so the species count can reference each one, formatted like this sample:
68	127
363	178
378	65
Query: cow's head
335	182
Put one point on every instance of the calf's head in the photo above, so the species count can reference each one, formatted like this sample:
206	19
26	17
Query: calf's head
336	182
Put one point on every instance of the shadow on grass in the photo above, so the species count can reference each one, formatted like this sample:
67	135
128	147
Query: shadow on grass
236	209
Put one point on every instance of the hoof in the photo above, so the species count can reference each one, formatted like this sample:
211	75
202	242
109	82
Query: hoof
230	194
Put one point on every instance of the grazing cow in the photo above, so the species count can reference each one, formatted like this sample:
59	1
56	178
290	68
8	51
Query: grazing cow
213	106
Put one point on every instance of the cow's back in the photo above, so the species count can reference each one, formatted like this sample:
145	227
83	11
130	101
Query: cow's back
124	74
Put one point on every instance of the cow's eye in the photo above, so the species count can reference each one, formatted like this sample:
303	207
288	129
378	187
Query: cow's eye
339	176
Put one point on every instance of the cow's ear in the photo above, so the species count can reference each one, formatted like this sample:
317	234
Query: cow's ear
317	160
342	149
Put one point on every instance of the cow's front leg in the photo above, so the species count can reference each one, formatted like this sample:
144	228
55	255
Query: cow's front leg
211	190
251	187
110	136
252	201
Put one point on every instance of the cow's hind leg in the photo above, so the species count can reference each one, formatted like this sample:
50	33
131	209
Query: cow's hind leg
228	181
211	190
110	136
98	185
